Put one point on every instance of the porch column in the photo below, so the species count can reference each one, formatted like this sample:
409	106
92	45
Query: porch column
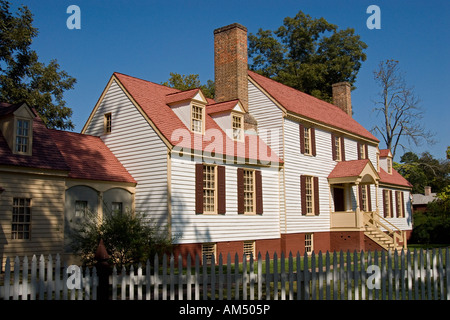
358	213
377	208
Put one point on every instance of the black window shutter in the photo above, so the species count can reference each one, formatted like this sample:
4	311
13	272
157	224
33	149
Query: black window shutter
199	188
313	142
302	138
333	147
221	200
240	190
316	196
303	193
258	189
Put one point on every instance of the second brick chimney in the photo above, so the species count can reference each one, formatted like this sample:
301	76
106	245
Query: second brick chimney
231	63
342	97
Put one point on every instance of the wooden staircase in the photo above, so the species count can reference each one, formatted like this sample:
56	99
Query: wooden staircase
382	232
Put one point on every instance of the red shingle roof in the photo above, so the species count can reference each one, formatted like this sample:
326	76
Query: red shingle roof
81	156
310	107
384	153
221	106
151	97
395	178
352	168
89	158
45	153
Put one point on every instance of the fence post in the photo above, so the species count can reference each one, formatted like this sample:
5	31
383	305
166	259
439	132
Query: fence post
103	271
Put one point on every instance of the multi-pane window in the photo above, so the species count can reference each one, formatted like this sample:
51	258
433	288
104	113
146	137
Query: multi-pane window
309	242
399	204
22	135
387	203
208	252
81	208
249	249
249	191
389	165
364	205
307	140
108	123
237	127
116	207
362	151
21	219
209	188
337	148
197	119
309	195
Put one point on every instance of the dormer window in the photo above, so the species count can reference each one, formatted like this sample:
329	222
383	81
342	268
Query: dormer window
389	165
22	136
197	118
237	127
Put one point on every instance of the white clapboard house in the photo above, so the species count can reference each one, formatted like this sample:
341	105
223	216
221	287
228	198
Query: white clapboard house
261	168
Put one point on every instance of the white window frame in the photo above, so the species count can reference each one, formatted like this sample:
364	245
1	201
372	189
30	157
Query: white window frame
81	212
20	212
18	147
337	148
387	203
309	243
249	249
195	120
107	123
307	141
238	131
249	194
208	250
208	187
309	195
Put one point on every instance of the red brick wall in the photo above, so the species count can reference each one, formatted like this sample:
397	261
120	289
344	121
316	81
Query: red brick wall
347	240
231	63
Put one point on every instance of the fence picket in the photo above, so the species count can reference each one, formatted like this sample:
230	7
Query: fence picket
405	275
25	279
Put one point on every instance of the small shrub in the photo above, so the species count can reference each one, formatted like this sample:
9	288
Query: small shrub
129	238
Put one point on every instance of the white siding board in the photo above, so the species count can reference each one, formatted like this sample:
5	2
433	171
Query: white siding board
231	226
269	117
138	147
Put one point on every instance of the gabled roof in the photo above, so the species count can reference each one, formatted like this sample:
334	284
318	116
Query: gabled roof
395	178
89	158
384	153
184	95
353	171
152	99
226	106
309	107
76	155
45	153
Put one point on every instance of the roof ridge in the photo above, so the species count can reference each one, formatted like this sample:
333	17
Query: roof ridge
299	91
140	79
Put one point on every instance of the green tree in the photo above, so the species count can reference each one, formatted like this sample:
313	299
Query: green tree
23	77
307	54
433	226
424	171
191	81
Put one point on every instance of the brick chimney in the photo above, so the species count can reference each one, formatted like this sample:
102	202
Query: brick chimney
231	63
342	97
427	190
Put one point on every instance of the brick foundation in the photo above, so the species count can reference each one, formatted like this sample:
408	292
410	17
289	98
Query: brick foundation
287	243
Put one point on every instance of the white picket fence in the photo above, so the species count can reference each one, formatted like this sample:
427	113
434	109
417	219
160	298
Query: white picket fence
404	275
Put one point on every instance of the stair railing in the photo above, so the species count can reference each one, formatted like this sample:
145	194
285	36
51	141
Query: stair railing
374	219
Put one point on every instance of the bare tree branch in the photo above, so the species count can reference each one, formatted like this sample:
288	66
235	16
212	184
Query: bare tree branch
400	108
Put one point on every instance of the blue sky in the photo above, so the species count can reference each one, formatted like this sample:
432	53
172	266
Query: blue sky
150	39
